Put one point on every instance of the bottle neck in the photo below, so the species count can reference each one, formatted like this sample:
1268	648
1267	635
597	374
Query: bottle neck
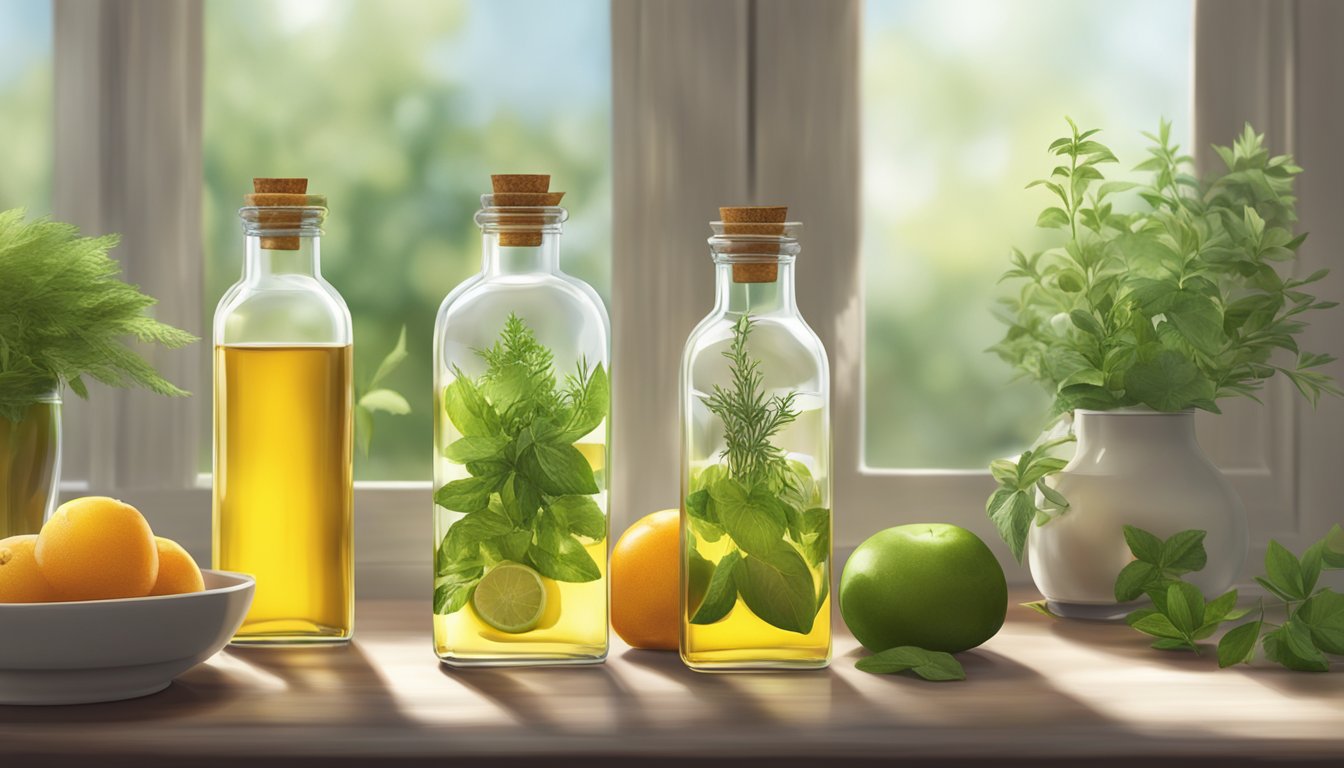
757	298
264	262
520	259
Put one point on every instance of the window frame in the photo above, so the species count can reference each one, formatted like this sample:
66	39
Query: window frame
711	103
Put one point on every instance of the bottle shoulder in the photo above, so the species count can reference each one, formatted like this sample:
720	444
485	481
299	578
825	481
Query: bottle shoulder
539	295
566	315
280	309
790	353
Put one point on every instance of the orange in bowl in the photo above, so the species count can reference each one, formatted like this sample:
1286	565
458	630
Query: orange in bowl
645	594
178	572
21	581
98	548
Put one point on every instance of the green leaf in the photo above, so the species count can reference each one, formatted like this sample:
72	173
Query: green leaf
1333	554
777	586
1052	217
1012	513
1284	571
1184	552
363	429
1323	616
592	407
817	535
1086	323
386	401
450	597
568	562
1145	546
755	520
391	362
1238	645
469	449
1157	625
931	665
468	410
1279	651
1165	380
558	470
466	495
697	506
1296	637
721	594
520	498
583	515
1185	607
1041	607
1136	578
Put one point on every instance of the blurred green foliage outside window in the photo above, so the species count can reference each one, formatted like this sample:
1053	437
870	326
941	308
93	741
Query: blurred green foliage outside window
960	100
399	111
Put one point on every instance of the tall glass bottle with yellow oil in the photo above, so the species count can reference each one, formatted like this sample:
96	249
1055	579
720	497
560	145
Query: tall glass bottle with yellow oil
756	462
283	475
521	365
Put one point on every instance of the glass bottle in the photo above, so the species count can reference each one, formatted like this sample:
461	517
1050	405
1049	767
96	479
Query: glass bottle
283	482
756	462
521	363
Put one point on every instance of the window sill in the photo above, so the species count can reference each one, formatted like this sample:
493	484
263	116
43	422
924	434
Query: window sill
1041	692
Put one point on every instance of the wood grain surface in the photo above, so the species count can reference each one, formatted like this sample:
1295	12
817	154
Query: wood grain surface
1041	692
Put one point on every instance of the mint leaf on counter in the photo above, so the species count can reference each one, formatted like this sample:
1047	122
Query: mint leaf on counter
930	665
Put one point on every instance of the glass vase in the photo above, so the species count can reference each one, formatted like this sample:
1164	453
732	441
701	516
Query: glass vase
30	466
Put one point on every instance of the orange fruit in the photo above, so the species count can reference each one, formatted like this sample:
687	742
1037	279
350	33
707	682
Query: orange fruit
96	548
178	572
645	600
21	581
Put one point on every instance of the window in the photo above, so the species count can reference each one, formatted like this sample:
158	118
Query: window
651	113
25	106
399	112
960	99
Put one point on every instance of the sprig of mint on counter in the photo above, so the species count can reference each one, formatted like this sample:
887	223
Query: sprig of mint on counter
769	506
1180	616
528	498
935	666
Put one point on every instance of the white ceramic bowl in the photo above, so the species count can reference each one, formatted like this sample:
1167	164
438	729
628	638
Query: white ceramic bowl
107	650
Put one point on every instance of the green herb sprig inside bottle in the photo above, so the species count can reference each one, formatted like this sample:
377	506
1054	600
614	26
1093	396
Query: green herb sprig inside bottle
756	461
521	364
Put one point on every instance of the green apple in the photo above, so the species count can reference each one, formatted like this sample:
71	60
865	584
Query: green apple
930	585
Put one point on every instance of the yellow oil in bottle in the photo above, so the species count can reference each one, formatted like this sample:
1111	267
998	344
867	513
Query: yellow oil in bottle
578	633
741	640
283	488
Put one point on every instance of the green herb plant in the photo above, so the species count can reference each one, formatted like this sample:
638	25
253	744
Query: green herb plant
65	316
529	494
1180	617
768	506
1171	306
376	397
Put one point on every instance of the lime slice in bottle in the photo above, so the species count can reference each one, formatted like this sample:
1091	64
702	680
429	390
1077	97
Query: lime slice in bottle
511	598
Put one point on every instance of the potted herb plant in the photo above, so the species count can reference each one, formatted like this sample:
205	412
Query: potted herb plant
1134	321
64	318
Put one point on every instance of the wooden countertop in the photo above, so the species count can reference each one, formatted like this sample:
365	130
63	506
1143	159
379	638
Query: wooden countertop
1041	692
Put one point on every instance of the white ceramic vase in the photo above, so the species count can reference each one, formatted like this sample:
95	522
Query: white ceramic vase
1133	467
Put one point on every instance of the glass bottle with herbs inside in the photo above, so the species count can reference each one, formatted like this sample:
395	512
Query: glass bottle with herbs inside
284	480
756	461
521	366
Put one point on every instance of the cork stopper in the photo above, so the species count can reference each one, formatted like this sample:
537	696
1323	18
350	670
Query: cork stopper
755	220
523	190
281	193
